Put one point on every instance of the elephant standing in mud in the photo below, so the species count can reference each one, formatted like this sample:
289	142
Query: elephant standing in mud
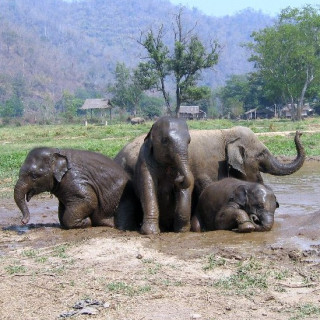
162	177
235	204
216	154
92	189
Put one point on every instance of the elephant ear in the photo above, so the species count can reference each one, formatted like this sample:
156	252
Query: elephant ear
236	155
240	196
59	166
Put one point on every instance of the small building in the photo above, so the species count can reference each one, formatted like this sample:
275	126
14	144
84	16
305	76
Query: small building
191	112
305	111
101	104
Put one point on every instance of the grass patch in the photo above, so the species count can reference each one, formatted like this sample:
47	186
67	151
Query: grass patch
305	311
214	262
120	287
249	277
16	142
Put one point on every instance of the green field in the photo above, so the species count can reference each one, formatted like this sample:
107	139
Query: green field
16	142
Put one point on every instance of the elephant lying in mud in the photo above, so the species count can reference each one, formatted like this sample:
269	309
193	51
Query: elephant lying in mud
162	177
92	189
235	204
217	154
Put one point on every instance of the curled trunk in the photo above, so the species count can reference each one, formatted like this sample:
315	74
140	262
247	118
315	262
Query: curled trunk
275	167
264	223
20	191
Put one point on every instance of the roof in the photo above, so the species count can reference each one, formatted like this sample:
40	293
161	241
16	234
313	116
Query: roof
189	109
96	104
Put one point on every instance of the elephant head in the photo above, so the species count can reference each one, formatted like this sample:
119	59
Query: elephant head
247	157
259	202
42	169
167	144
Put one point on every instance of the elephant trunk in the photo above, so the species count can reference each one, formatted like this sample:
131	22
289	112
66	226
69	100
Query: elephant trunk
21	190
264	222
275	167
184	178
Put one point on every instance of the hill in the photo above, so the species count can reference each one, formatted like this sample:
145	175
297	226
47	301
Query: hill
49	46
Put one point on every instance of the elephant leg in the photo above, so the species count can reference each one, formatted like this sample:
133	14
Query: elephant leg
183	210
75	216
149	203
230	218
196	223
106	222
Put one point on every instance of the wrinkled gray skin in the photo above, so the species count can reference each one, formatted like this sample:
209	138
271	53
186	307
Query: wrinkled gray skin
92	189
238	153
217	154
162	177
235	204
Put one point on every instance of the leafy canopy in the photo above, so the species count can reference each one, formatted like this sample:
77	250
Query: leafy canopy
184	63
287	55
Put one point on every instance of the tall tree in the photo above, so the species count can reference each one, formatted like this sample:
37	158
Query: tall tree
287	55
126	90
185	63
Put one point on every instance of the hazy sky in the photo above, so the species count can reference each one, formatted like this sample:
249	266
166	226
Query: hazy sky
220	8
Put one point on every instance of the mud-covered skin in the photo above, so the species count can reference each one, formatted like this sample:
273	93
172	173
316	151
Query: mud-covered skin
235	204
162	177
92	189
216	154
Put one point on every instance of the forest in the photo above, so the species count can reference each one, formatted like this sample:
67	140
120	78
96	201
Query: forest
52	49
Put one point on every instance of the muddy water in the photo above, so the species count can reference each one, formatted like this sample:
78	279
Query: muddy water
297	223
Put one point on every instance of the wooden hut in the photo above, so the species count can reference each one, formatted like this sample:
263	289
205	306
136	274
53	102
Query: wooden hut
102	104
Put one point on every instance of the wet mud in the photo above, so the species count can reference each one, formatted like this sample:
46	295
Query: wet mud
296	226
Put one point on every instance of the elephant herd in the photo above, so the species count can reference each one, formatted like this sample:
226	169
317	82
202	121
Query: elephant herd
172	179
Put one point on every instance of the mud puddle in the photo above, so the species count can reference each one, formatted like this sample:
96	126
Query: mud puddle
296	225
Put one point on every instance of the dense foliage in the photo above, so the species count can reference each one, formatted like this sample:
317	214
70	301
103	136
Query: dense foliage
287	56
50	47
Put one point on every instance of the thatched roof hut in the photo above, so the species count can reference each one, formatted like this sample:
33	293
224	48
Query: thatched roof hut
91	104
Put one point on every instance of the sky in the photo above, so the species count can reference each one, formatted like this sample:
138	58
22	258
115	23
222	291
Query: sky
219	8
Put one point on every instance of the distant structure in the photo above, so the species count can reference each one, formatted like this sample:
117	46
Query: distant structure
305	111
102	104
191	112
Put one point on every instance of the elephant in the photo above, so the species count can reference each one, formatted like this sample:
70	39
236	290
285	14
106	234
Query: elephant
216	154
162	177
91	188
137	120
231	203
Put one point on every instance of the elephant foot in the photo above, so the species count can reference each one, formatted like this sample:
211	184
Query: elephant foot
246	226
150	227
183	228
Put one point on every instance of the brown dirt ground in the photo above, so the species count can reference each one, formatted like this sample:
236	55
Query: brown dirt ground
45	271
101	273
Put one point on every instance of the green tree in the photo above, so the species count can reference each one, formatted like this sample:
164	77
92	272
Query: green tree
12	108
69	105
185	63
287	56
126	90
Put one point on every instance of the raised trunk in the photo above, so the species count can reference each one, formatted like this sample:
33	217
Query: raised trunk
20	191
272	166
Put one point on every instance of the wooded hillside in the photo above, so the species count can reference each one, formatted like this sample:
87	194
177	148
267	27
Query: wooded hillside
49	46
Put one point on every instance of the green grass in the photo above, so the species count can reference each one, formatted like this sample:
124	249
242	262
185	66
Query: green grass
16	142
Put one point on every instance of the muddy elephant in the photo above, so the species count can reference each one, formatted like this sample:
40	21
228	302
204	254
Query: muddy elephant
92	189
236	152
235	204
162	177
216	154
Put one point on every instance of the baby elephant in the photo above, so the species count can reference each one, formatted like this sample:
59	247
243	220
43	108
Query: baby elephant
92	189
235	204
